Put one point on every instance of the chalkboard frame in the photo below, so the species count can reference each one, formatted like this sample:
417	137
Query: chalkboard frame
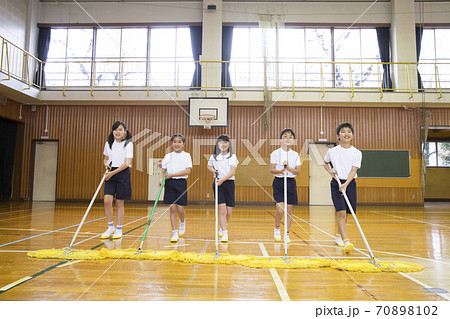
385	164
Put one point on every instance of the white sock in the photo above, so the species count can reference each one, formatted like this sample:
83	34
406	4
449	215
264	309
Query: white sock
111	226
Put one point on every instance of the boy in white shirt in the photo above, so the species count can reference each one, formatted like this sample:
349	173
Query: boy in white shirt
346	160
224	162
178	165
278	159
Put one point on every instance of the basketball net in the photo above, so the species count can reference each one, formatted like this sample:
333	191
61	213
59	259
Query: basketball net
269	25
206	119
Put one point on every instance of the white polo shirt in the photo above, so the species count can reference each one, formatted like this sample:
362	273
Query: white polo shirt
118	152
177	162
223	164
343	159
279	156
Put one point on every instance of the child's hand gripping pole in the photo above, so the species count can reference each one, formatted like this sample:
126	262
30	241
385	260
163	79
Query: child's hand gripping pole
89	207
330	166
151	215
216	211
285	213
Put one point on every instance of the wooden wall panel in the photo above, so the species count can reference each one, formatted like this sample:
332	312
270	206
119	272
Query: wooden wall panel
440	117
83	130
11	110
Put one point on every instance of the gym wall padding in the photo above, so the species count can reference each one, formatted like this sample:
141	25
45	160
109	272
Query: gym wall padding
82	132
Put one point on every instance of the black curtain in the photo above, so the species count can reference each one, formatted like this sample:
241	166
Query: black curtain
227	39
419	34
384	40
42	53
7	149
196	43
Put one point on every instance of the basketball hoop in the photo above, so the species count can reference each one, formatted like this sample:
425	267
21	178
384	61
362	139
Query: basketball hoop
206	119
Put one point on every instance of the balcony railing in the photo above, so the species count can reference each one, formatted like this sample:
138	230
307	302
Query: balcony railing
293	76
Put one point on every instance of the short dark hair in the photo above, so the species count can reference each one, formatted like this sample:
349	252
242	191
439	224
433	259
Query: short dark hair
287	130
342	125
178	135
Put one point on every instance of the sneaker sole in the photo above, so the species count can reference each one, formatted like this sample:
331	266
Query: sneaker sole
104	237
117	237
180	234
277	239
348	248
173	240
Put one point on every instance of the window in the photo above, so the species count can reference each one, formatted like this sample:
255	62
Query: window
74	45
435	56
171	60
356	45
119	57
297	53
128	45
437	154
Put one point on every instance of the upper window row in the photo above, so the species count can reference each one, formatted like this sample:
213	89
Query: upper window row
163	57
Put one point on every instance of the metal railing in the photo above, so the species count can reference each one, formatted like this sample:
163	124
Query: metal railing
19	64
292	76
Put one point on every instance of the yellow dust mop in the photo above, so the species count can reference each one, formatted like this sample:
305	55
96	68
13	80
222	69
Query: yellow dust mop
228	259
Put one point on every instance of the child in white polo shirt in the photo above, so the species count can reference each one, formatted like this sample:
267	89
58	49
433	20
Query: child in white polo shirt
118	154
178	165
278	159
224	162
346	160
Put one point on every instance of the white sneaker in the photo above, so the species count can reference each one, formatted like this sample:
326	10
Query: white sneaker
220	232
277	234
348	246
117	234
225	237
288	240
339	241
108	232
174	238
182	228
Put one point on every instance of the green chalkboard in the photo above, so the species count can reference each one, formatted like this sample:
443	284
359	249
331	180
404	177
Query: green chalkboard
384	163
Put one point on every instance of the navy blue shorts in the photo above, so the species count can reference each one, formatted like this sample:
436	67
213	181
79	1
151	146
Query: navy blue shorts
338	197
119	185
175	191
278	190
226	193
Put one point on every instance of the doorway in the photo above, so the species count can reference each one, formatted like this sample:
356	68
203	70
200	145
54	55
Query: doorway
45	170
319	179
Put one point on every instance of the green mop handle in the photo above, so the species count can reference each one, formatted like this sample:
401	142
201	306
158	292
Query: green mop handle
153	211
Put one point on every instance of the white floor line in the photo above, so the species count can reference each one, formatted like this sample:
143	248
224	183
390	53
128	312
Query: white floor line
326	233
69	263
410	219
276	278
445	296
15	283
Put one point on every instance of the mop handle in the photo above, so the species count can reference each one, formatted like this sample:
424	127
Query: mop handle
285	210
87	210
153	211
354	215
216	211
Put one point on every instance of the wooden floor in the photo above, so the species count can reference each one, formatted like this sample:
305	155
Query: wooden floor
417	234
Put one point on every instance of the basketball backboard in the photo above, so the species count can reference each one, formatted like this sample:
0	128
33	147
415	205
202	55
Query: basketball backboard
215	109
